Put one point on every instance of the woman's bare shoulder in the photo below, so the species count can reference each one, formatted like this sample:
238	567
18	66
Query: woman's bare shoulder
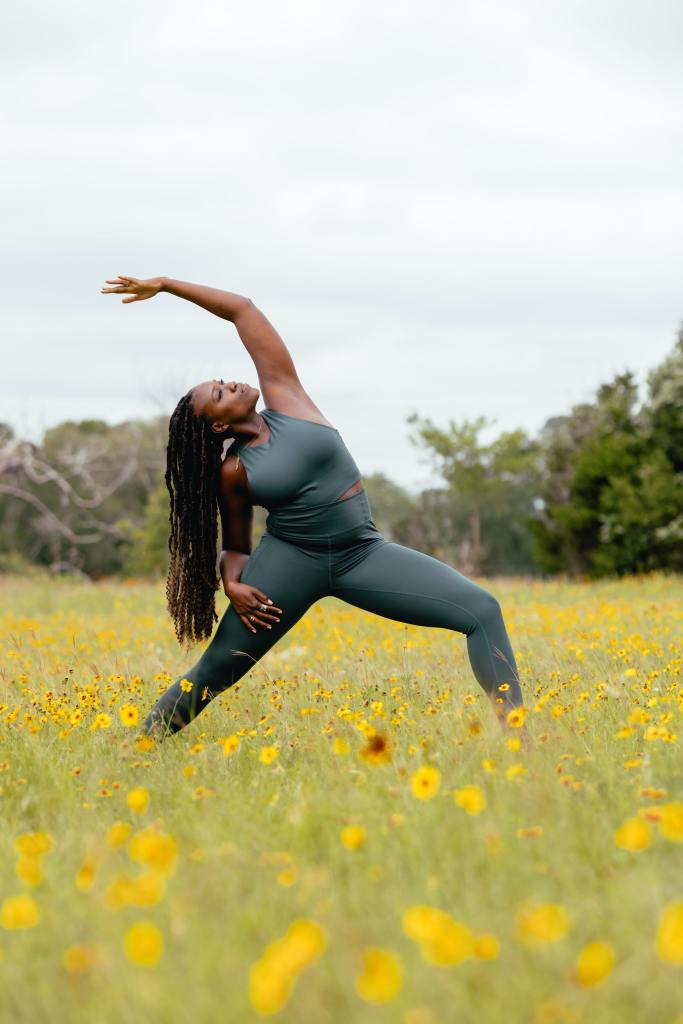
233	477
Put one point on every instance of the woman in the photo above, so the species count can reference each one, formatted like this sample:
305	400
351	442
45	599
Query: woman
320	538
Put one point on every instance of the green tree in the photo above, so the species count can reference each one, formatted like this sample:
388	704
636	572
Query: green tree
147	553
390	503
612	479
491	488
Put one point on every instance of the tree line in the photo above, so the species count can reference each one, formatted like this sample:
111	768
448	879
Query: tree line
598	492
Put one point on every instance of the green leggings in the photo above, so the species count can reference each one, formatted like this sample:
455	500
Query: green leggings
347	557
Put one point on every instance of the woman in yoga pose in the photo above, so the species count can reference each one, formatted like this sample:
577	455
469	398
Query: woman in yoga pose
320	538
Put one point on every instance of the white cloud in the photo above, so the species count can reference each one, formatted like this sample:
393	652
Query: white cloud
452	208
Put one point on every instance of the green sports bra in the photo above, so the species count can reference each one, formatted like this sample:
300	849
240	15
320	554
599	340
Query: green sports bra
302	464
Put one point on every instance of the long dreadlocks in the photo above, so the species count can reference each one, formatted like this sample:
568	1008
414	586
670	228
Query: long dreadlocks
193	462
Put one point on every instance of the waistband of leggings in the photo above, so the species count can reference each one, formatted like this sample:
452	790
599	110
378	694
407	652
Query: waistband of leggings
335	520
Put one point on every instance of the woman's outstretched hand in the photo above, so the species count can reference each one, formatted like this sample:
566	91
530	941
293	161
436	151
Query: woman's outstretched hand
135	288
247	600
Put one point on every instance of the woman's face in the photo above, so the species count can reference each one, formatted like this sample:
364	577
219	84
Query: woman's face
224	403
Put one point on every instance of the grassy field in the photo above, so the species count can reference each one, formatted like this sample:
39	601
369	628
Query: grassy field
347	835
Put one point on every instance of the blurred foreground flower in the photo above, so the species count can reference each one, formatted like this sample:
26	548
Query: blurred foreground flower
377	751
34	844
143	944
353	837
671	821
669	941
593	964
633	835
19	912
443	941
272	977
471	798
425	782
269	754
157	850
541	923
138	799
381	977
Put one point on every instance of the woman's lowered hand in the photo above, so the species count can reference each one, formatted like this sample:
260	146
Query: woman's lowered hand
247	602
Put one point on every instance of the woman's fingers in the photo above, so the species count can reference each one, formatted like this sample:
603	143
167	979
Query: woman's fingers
266	600
271	615
252	620
256	617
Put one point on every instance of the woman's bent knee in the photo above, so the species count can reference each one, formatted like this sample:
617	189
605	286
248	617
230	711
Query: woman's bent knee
486	608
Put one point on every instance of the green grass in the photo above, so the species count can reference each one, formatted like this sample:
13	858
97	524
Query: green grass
589	654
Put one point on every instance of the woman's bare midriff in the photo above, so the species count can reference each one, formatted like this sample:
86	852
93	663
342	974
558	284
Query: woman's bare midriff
353	489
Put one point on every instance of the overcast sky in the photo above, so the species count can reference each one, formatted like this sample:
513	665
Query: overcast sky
448	207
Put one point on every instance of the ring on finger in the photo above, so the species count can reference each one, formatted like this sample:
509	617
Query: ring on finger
252	617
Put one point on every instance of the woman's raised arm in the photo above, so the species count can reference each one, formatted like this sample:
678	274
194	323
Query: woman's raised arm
271	356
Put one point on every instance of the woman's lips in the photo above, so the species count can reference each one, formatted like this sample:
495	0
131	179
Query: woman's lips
243	388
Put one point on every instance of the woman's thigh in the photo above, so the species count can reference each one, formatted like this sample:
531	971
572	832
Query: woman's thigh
293	579
408	585
402	583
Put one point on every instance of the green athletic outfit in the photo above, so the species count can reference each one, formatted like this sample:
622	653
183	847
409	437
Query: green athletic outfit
315	545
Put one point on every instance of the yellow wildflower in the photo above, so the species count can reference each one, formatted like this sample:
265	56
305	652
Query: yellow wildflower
377	751
129	714
381	977
593	964
669	940
118	833
442	940
29	870
19	912
515	718
78	959
143	944
353	837
541	923
157	850
85	876
471	798
230	744
34	844
272	977
633	835
138	799
486	947
425	782
671	821
269	754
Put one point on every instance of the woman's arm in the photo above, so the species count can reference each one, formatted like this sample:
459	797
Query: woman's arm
236	512
271	357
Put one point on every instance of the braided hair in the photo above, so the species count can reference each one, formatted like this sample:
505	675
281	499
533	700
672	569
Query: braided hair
193	463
